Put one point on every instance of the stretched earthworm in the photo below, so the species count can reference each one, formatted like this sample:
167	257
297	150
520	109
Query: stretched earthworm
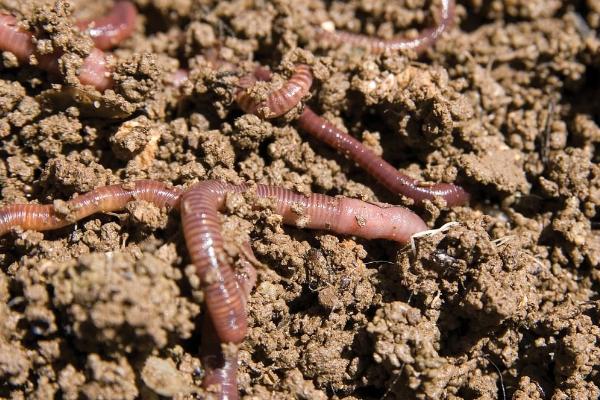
94	70
377	45
279	101
346	144
105	199
386	174
110	29
220	367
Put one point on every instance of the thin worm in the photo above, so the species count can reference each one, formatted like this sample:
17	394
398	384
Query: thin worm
344	143
114	27
279	101
105	199
378	45
200	219
386	174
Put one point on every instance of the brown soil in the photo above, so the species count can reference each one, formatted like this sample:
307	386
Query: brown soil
502	304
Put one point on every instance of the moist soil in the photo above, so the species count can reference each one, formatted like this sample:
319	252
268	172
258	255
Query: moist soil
501	303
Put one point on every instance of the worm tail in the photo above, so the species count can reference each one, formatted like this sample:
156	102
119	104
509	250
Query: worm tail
385	173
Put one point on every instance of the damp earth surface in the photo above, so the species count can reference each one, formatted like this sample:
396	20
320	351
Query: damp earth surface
503	303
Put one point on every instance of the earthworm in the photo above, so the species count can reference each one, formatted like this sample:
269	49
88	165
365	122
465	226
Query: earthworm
199	216
386	174
110	29
104	199
279	101
346	144
94	70
220	367
377	45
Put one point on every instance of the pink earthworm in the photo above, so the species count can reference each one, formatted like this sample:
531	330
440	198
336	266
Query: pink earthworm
220	366
106	32
377	45
279	101
104	199
109	30
199	215
94	71
199	208
386	174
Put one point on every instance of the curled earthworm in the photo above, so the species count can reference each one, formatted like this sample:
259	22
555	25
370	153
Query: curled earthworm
94	71
106	32
377	45
321	129
199	208
110	29
279	101
386	174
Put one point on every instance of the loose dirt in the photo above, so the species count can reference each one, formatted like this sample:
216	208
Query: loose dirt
503	304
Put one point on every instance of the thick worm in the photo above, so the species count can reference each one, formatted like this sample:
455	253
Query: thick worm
220	367
386	174
377	45
94	70
111	29
200	219
279	101
105	199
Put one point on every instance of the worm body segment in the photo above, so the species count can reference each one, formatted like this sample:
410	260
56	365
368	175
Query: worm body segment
279	101
220	366
105	199
385	173
94	70
377	45
110	29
